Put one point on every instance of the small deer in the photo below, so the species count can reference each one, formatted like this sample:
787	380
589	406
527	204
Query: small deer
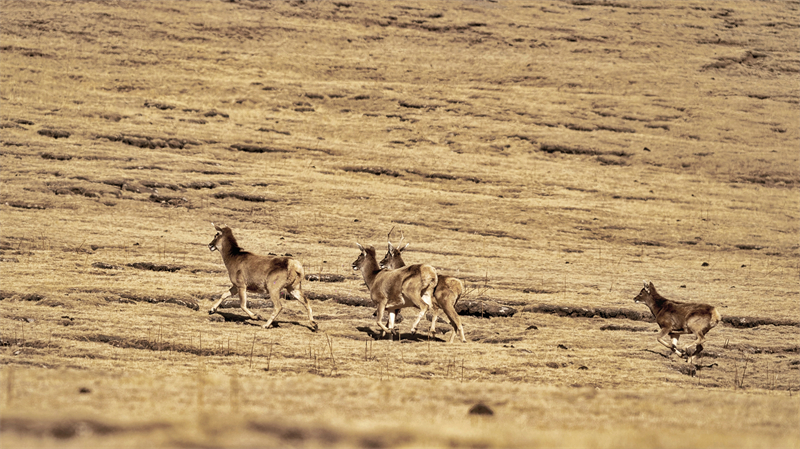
447	293
260	274
677	318
391	290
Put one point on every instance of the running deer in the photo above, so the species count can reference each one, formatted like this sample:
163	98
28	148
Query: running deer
447	293
260	274
391	290
677	318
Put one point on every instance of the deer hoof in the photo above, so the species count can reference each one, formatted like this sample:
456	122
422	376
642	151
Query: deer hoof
212	311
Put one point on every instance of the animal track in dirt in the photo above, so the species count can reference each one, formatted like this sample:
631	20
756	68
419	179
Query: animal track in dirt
160	106
155	267
107	266
444	176
245	197
247	148
748	58
488	233
197	185
56	157
616	327
484	309
4	294
131	298
25	205
150	142
325	277
54	133
378	171
635	315
77	190
615	157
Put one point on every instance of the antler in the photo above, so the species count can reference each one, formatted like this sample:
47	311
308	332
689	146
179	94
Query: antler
389	238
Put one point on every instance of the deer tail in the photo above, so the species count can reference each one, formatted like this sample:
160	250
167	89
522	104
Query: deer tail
715	317
295	273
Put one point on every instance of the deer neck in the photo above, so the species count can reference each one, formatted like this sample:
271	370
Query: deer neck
228	248
655	303
398	262
370	270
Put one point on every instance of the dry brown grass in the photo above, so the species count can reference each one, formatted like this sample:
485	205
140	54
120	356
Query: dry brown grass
548	154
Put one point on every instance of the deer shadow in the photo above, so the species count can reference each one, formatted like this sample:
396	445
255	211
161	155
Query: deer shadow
236	318
376	335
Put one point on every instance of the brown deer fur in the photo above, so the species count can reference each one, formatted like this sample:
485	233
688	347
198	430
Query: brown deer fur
447	293
261	274
391	290
677	318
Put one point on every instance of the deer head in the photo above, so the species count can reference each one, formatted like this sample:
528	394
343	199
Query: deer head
646	293
213	245
362	258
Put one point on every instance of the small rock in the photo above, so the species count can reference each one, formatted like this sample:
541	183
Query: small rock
481	409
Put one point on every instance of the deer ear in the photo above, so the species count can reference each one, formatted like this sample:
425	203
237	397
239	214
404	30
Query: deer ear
360	247
404	248
646	286
391	247
652	287
216	227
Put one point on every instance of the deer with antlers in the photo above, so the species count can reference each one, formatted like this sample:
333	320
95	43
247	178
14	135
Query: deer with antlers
677	318
392	290
260	274
446	294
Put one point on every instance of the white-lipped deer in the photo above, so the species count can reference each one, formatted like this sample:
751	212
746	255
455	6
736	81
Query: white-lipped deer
677	318
447	293
391	290
261	274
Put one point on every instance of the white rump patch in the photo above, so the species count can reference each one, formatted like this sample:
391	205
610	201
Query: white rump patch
426	298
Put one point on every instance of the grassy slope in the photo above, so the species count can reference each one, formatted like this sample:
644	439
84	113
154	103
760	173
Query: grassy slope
676	145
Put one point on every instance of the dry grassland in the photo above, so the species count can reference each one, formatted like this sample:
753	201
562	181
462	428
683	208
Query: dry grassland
551	154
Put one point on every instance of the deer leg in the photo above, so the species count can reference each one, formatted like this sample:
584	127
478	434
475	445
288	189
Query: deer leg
392	317
435	314
381	308
297	294
680	351
455	321
422	311
277	301
243	303
698	347
672	342
227	294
